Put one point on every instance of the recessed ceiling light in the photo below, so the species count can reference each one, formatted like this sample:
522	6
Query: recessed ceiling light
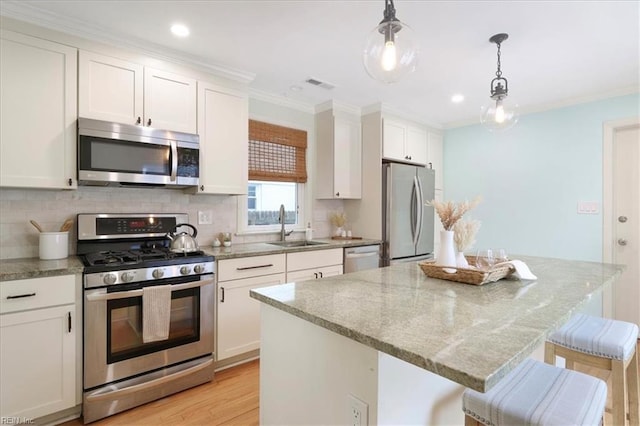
180	30
457	98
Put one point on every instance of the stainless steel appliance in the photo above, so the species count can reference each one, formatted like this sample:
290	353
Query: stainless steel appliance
124	154
361	258
123	254
407	224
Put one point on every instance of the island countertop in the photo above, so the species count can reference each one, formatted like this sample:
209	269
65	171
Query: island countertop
472	335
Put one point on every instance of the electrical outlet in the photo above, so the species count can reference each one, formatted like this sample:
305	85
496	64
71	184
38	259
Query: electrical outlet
358	412
205	217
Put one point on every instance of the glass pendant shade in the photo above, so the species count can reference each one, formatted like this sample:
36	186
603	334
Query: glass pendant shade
499	114
391	51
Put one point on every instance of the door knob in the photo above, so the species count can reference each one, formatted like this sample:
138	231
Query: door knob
622	219
622	242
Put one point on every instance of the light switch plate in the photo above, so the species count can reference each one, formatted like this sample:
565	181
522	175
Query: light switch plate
205	217
588	207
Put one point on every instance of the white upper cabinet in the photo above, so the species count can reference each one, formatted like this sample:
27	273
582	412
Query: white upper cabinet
402	141
38	82
169	101
224	138
111	89
338	155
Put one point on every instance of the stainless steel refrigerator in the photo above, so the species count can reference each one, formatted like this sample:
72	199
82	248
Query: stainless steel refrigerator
407	224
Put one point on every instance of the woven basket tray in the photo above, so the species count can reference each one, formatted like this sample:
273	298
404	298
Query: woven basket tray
466	275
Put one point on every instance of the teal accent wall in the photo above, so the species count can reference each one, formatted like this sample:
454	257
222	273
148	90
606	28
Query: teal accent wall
532	176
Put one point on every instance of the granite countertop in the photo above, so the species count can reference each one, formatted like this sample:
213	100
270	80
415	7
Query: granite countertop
257	249
20	269
472	335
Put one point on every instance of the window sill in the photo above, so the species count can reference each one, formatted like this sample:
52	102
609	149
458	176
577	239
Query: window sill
266	232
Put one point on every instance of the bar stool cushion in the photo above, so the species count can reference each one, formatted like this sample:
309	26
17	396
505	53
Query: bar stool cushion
598	336
535	393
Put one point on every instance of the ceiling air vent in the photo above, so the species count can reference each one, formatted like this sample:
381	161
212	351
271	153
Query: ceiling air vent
318	83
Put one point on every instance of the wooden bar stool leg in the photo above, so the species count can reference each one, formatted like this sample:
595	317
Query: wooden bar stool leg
549	353
470	421
634	397
618	393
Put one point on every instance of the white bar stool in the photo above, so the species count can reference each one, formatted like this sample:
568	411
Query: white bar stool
535	393
605	344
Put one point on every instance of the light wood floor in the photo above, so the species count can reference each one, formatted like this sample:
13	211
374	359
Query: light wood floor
230	399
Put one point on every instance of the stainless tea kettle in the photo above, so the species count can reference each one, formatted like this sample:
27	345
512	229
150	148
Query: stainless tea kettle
183	242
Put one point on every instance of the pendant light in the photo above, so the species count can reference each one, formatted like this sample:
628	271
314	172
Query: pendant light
498	114
391	49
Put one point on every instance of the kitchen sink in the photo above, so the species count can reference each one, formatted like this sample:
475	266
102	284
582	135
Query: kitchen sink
297	243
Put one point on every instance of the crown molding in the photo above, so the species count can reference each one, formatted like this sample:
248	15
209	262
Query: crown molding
34	15
391	110
279	100
338	106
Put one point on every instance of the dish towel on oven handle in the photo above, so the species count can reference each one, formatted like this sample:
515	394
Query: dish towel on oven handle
156	313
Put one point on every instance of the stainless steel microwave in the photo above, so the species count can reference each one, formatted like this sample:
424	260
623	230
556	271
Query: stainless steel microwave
114	154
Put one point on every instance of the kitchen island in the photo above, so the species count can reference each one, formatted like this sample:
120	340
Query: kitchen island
396	347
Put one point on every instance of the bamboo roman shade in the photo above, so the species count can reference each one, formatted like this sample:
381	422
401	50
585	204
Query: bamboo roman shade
277	153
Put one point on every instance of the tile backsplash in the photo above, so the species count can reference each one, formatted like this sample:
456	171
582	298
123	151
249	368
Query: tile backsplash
18	238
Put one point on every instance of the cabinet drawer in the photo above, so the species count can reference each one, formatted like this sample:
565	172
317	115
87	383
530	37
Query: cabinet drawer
246	267
21	295
313	259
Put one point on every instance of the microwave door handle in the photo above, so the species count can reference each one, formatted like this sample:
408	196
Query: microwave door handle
174	160
103	295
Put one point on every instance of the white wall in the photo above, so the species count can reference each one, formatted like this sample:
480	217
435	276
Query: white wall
532	176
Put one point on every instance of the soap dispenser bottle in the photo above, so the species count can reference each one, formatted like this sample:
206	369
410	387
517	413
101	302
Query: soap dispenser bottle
308	232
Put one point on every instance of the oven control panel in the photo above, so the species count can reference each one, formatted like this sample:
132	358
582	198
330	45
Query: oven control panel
129	276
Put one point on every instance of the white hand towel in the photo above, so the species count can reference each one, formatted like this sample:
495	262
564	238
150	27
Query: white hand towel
156	313
522	271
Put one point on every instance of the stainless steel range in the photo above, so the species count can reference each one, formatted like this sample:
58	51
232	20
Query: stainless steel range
124	254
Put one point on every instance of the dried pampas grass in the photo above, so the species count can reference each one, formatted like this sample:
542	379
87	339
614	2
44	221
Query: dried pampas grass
450	212
464	234
338	218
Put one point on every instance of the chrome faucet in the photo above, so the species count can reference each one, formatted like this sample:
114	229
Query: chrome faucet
283	233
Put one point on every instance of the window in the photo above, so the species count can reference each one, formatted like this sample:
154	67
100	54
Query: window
277	174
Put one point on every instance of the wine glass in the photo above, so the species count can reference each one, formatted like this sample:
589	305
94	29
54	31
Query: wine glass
485	259
501	255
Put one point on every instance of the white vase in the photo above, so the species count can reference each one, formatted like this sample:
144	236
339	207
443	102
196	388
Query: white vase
338	231
461	261
446	253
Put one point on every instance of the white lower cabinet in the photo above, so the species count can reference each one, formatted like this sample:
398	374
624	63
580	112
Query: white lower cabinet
239	314
309	265
38	350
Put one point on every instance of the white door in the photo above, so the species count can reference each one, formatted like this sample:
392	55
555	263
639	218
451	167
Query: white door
622	208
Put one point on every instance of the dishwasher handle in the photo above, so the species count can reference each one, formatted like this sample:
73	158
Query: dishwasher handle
353	255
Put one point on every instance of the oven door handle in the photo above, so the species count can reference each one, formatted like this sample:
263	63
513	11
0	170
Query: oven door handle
103	295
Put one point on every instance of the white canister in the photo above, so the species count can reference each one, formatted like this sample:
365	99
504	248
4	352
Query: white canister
54	245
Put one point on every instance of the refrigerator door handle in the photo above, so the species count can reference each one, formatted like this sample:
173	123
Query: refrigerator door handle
420	215
416	211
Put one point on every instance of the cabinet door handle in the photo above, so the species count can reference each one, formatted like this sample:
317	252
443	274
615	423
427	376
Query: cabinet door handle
69	321
337	194
431	166
222	289
244	268
70	182
149	122
315	274
320	274
20	296
139	120
201	187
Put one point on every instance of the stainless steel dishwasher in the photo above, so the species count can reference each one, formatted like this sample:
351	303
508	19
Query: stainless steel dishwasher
363	257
